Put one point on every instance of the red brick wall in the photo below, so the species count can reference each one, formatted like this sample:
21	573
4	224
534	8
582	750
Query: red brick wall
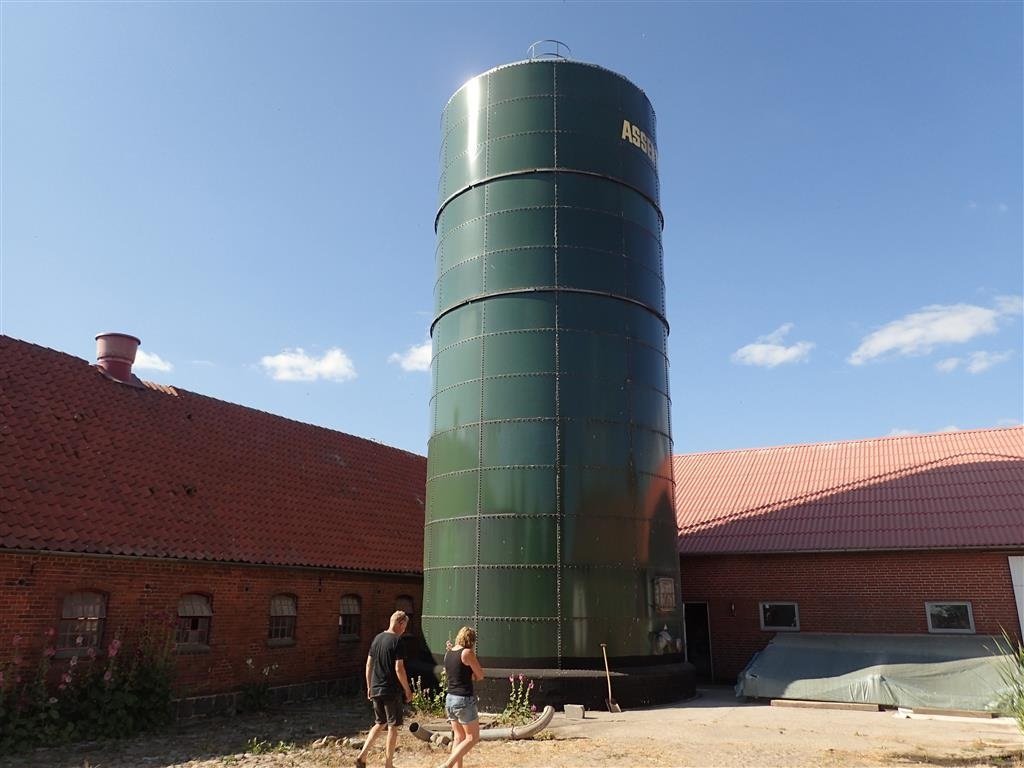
843	592
32	587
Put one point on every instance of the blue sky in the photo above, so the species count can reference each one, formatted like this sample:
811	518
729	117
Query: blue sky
233	182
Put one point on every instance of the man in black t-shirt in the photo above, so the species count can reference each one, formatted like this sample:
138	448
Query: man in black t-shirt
385	682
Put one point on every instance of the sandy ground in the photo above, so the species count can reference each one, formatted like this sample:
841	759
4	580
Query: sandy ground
712	730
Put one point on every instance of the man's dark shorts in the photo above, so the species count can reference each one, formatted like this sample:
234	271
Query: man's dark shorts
388	708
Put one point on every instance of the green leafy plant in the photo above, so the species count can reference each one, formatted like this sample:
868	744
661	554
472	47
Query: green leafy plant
429	701
257	746
121	692
256	689
1011	671
518	710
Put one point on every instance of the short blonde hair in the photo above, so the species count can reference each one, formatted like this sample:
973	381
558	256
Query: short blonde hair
398	617
466	637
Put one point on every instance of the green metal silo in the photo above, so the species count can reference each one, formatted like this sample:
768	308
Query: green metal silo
550	524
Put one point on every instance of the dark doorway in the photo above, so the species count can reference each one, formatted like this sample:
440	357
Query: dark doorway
698	639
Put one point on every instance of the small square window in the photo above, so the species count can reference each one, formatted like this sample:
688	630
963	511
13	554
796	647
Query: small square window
193	628
780	617
349	618
665	594
283	611
953	617
82	617
405	603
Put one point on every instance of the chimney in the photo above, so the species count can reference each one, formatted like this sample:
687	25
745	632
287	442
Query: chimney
115	353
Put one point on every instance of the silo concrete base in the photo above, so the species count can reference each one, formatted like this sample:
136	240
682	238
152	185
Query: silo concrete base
639	686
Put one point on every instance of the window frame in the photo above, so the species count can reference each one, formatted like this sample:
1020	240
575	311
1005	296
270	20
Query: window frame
349	637
205	620
284	622
410	628
73	649
773	628
944	631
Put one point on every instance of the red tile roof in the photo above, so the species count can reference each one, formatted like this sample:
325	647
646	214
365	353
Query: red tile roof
951	489
90	465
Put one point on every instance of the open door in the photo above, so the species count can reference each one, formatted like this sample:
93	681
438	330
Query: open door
698	639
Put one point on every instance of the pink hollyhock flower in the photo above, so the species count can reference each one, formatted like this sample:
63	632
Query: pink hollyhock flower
61	687
91	653
511	679
520	678
533	707
49	652
113	648
65	678
530	686
79	640
107	675
50	632
74	661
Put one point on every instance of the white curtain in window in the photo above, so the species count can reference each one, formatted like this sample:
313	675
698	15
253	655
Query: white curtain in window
282	605
194	605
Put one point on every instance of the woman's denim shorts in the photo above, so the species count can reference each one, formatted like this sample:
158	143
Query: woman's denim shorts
461	708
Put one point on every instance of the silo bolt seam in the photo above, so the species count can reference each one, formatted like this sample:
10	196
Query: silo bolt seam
543	170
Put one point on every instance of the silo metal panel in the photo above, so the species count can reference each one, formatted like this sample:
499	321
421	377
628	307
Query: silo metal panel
549	467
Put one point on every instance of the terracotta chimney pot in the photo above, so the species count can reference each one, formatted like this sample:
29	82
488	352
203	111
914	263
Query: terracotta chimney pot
115	354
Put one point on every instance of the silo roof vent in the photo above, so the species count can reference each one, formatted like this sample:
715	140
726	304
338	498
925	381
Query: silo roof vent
549	49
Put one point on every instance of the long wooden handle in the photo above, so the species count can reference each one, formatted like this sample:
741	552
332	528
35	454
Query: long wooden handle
607	674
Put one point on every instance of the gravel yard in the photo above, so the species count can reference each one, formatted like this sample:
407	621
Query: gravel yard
713	730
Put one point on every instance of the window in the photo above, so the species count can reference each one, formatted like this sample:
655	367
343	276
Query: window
282	620
82	615
951	617
405	603
348	618
665	595
781	617
194	614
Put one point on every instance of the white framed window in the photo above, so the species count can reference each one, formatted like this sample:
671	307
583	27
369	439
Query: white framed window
950	617
665	594
82	616
283	610
349	618
194	617
780	616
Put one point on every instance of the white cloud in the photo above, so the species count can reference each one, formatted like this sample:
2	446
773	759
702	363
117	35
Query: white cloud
950	428
897	432
920	332
415	358
296	365
1010	305
949	364
769	351
982	361
1003	207
1008	422
151	362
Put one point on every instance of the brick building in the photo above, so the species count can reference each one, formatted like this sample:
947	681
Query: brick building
260	537
922	534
